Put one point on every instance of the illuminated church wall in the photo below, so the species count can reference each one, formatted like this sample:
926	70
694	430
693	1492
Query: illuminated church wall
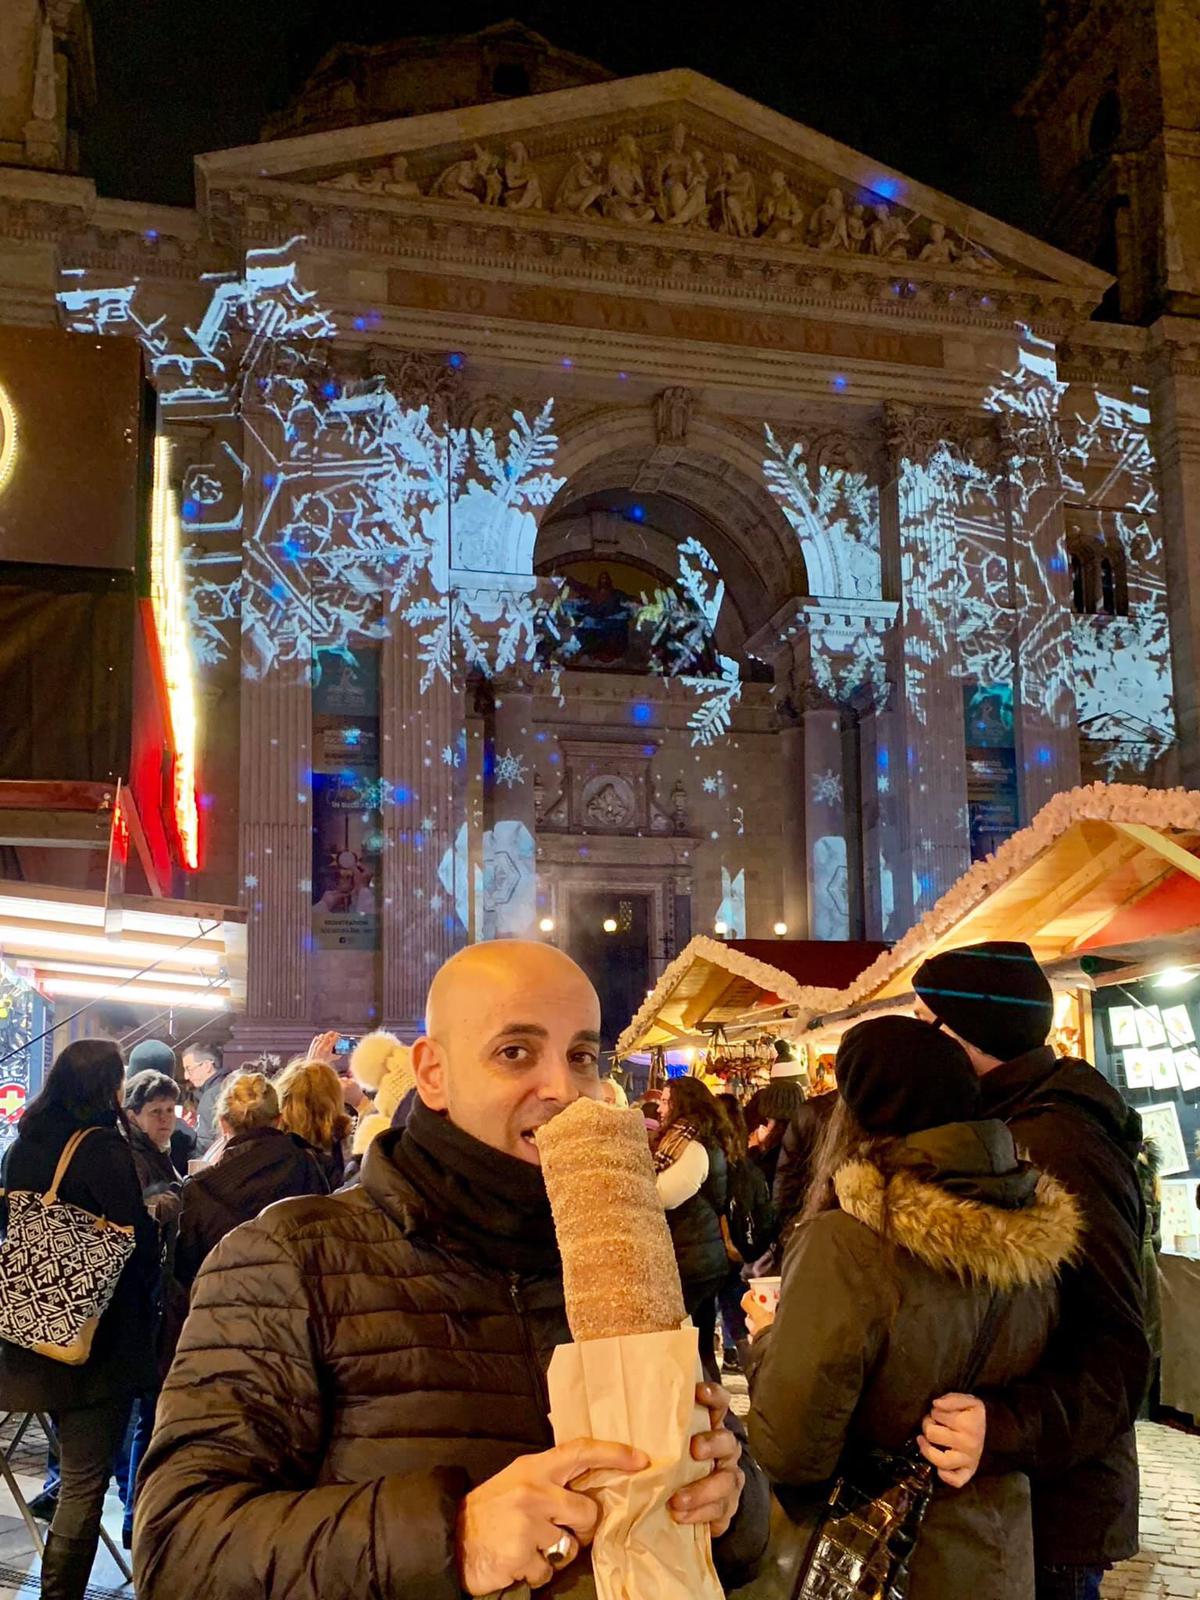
484	631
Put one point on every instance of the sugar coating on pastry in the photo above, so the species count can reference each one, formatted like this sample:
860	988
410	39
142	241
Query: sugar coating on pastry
619	1269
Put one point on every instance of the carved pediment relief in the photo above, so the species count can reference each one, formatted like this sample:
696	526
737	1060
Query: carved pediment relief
678	177
671	154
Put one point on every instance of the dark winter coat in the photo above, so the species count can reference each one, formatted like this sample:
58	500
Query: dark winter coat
102	1179
874	1324
1071	1424
155	1169
696	1232
797	1157
254	1171
183	1146
351	1367
207	1132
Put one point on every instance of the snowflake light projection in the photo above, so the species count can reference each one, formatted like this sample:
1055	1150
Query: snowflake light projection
510	770
683	622
837	522
827	788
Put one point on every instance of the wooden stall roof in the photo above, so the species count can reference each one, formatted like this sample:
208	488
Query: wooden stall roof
1081	878
718	982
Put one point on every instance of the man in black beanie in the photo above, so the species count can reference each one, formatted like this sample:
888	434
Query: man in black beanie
1069	1425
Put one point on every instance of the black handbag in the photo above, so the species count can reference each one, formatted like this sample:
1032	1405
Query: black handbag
869	1527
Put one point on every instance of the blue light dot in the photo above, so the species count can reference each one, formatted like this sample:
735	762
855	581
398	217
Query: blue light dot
191	510
641	712
887	188
838	381
884	759
454	359
1043	755
269	480
637	513
360	324
150	235
567	362
623	376
329	390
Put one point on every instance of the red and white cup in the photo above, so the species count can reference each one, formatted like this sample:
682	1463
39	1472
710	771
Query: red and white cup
766	1293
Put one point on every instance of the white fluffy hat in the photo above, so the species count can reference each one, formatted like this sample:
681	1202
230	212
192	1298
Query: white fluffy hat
383	1063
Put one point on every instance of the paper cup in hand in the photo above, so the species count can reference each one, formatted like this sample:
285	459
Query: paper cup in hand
766	1293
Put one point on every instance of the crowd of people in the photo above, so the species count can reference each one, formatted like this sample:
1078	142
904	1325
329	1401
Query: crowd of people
344	1394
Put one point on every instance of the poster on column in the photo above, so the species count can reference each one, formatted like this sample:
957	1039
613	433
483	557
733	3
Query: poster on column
347	801
992	802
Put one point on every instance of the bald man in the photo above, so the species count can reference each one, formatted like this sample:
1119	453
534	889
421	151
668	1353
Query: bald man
358	1408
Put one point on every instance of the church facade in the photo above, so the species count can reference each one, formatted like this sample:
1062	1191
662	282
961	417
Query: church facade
608	510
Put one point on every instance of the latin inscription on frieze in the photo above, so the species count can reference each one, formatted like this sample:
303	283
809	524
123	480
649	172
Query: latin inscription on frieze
581	308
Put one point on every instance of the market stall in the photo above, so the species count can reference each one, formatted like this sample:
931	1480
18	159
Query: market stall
730	1000
171	965
1104	885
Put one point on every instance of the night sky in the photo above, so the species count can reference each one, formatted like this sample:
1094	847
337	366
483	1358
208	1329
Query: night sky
925	87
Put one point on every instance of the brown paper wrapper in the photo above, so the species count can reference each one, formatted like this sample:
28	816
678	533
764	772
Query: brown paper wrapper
639	1389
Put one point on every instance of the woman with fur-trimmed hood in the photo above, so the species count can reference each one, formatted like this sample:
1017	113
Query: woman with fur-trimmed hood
919	1216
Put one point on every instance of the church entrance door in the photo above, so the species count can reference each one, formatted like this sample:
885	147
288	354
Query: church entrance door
610	939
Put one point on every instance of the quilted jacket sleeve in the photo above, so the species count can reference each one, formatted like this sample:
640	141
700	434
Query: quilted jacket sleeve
229	1494
809	1369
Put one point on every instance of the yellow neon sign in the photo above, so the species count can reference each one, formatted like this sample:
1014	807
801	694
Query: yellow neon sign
170	620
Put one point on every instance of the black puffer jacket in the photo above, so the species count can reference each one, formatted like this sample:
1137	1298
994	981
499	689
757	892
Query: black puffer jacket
101	1179
350	1368
1070	1424
696	1232
254	1171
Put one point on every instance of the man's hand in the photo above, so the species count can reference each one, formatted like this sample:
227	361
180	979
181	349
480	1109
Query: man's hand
323	1047
506	1525
952	1438
758	1316
714	1499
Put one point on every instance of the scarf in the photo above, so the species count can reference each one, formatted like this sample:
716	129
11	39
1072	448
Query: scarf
477	1201
672	1144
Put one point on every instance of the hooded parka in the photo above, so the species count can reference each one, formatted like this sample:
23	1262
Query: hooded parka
351	1367
882	1302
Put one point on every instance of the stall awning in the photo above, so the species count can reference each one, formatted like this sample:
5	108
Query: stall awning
722	982
1096	869
155	952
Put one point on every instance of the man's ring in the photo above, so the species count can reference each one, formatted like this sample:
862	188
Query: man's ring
562	1551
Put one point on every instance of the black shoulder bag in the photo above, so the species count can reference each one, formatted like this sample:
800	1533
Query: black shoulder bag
870	1525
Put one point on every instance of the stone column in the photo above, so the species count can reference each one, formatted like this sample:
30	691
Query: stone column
275	791
933	778
423	860
825	822
1176	410
510	870
793	856
1039	600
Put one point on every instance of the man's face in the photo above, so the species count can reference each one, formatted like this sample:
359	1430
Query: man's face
514	1040
156	1119
197	1069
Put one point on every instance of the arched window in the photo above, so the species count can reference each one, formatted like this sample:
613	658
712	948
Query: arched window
1096	559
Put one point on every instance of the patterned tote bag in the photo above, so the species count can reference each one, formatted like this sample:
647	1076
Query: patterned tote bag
59	1267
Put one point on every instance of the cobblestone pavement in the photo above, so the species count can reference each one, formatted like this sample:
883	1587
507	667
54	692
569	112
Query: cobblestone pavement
1166	1568
1168	1565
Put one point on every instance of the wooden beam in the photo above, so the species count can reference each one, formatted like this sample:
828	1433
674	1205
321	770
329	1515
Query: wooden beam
1152	839
708	996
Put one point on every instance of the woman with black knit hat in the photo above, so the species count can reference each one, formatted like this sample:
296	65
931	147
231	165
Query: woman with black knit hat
921	1217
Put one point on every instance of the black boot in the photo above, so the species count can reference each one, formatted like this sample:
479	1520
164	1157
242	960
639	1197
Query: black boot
44	1505
67	1566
